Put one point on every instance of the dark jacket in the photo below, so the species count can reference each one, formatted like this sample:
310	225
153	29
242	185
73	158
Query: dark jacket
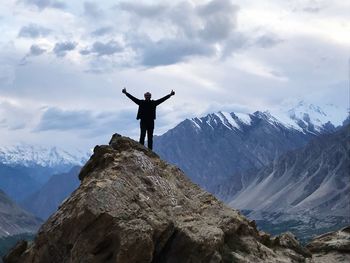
147	108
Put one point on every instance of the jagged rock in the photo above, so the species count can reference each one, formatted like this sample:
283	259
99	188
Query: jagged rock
133	207
331	247
288	240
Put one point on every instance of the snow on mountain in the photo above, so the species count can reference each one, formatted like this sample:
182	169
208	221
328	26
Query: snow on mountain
29	155
303	117
310	117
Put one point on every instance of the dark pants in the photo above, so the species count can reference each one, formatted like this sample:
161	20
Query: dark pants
147	126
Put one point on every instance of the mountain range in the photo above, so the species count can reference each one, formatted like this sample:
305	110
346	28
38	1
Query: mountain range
220	151
24	168
227	153
308	188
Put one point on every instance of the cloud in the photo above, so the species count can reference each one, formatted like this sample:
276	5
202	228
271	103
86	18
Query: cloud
36	50
62	48
58	119
142	9
103	49
13	116
267	40
312	9
42	4
102	31
219	19
171	51
88	122
184	30
33	31
91	9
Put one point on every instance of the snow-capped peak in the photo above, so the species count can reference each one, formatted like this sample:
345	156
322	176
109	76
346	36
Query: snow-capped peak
310	117
303	117
30	155
231	121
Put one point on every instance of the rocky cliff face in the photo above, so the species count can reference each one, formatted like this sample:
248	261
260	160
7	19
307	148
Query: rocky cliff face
133	207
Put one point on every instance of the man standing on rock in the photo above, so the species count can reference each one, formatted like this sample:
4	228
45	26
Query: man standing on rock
147	114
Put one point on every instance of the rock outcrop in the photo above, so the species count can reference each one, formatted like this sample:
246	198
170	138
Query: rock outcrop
133	207
332	247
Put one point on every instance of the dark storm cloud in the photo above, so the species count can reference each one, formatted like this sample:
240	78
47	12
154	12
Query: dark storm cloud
103	49
102	31
33	31
42	4
62	48
91	9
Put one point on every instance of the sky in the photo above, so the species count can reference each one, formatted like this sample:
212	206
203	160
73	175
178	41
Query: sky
64	63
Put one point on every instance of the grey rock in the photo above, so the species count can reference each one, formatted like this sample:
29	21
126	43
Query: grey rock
131	206
332	241
331	247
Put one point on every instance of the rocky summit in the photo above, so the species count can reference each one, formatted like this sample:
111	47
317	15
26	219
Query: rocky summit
131	206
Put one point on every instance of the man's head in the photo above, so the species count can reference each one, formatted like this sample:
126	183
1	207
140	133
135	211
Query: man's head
147	95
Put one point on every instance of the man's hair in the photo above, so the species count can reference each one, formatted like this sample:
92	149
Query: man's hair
147	94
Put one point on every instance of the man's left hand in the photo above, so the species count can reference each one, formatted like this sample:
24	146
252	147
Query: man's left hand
172	93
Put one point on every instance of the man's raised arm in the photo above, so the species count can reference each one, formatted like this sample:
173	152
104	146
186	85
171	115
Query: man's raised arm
137	101
165	98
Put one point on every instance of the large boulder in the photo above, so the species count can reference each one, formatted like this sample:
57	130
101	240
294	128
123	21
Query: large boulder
133	207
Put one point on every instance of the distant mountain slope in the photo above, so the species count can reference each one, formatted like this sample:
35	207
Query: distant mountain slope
34	155
46	200
17	182
26	168
315	178
306	191
219	150
219	147
14	220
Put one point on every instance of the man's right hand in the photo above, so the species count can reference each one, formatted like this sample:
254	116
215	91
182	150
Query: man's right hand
124	90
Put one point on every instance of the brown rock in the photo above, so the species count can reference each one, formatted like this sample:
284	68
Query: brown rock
133	207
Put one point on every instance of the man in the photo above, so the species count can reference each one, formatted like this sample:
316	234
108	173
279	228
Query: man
147	114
